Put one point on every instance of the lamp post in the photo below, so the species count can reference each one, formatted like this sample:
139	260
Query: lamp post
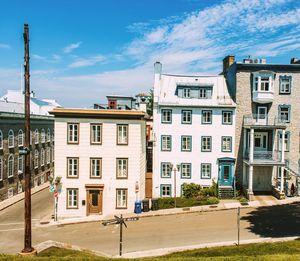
175	168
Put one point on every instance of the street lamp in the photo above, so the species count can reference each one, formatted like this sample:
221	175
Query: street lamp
175	168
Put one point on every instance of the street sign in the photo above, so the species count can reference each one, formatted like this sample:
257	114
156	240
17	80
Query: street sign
52	188
55	194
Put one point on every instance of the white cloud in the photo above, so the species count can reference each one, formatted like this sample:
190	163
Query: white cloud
38	57
71	47
4	46
84	62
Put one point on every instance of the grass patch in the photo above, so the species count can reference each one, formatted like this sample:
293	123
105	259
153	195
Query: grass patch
164	203
289	250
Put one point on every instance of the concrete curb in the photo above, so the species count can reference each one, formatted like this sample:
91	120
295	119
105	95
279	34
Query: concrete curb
167	212
17	198
160	251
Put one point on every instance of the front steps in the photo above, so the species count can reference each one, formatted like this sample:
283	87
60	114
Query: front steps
225	192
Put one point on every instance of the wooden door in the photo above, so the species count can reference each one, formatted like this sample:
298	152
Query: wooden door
148	184
94	201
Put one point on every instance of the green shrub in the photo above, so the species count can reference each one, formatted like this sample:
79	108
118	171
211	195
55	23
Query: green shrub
212	201
191	190
243	199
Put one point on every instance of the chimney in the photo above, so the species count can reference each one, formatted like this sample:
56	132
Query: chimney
227	62
143	106
157	68
295	60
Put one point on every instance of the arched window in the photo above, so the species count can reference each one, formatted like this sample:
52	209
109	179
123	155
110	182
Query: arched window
43	136
10	167
21	138
36	159
11	139
1	140
20	164
48	135
42	157
36	136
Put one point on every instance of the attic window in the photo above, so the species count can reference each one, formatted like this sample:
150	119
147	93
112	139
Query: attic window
186	93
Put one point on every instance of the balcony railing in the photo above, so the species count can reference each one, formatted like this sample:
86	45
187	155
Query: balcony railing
268	156
263	120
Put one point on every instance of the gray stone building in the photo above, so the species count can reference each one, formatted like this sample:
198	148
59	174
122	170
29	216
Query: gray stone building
267	145
12	140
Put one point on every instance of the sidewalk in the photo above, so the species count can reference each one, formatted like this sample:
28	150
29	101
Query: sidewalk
11	201
223	205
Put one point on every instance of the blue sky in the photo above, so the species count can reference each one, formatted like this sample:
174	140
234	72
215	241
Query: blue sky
82	51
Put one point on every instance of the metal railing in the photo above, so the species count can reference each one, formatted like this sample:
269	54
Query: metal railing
264	155
263	120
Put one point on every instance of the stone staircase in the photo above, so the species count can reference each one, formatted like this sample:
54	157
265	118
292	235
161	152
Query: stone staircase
225	192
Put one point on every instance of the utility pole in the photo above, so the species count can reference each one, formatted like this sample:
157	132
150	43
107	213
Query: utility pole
28	249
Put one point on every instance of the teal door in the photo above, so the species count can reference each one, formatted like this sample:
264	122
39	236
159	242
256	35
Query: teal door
225	174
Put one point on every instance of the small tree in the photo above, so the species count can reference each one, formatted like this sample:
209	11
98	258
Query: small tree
191	190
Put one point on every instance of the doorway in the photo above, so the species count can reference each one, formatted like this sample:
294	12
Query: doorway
260	141
262	115
94	201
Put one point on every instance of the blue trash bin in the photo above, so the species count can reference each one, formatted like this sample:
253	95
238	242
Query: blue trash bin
138	207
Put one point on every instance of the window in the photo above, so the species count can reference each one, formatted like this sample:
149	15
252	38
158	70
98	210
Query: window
262	82
165	169
36	136
205	170
186	93
36	159
10	167
48	153
122	134
73	133
1	168
122	168
166	116
48	135
165	191
72	198
205	93
166	143
186	169
227	117
285	84
1	140
206	117
96	133
121	198
186	143
20	164
43	136
284	112
20	138
72	171
95	165
42	157
10	139
226	144
206	143
286	141
186	117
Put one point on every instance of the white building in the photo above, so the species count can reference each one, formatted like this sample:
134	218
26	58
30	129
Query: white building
194	130
101	156
13	101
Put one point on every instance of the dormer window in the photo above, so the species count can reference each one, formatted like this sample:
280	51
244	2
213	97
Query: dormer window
186	93
205	93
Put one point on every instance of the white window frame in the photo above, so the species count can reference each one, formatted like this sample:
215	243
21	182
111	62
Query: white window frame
43	136
11	138
166	116
166	143
72	198
186	117
207	114
21	138
72	167
206	143
36	159
166	170
186	92
48	135
42	157
96	167
206	170
48	155
96	133
36	136
20	164
122	168
73	133
10	166
186	143
122	134
186	170
285	85
121	198
165	190
226	145
227	117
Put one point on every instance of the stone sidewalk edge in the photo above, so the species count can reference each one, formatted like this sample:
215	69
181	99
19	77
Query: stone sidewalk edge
15	199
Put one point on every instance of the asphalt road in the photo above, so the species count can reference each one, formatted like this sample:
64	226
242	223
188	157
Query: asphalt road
156	232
